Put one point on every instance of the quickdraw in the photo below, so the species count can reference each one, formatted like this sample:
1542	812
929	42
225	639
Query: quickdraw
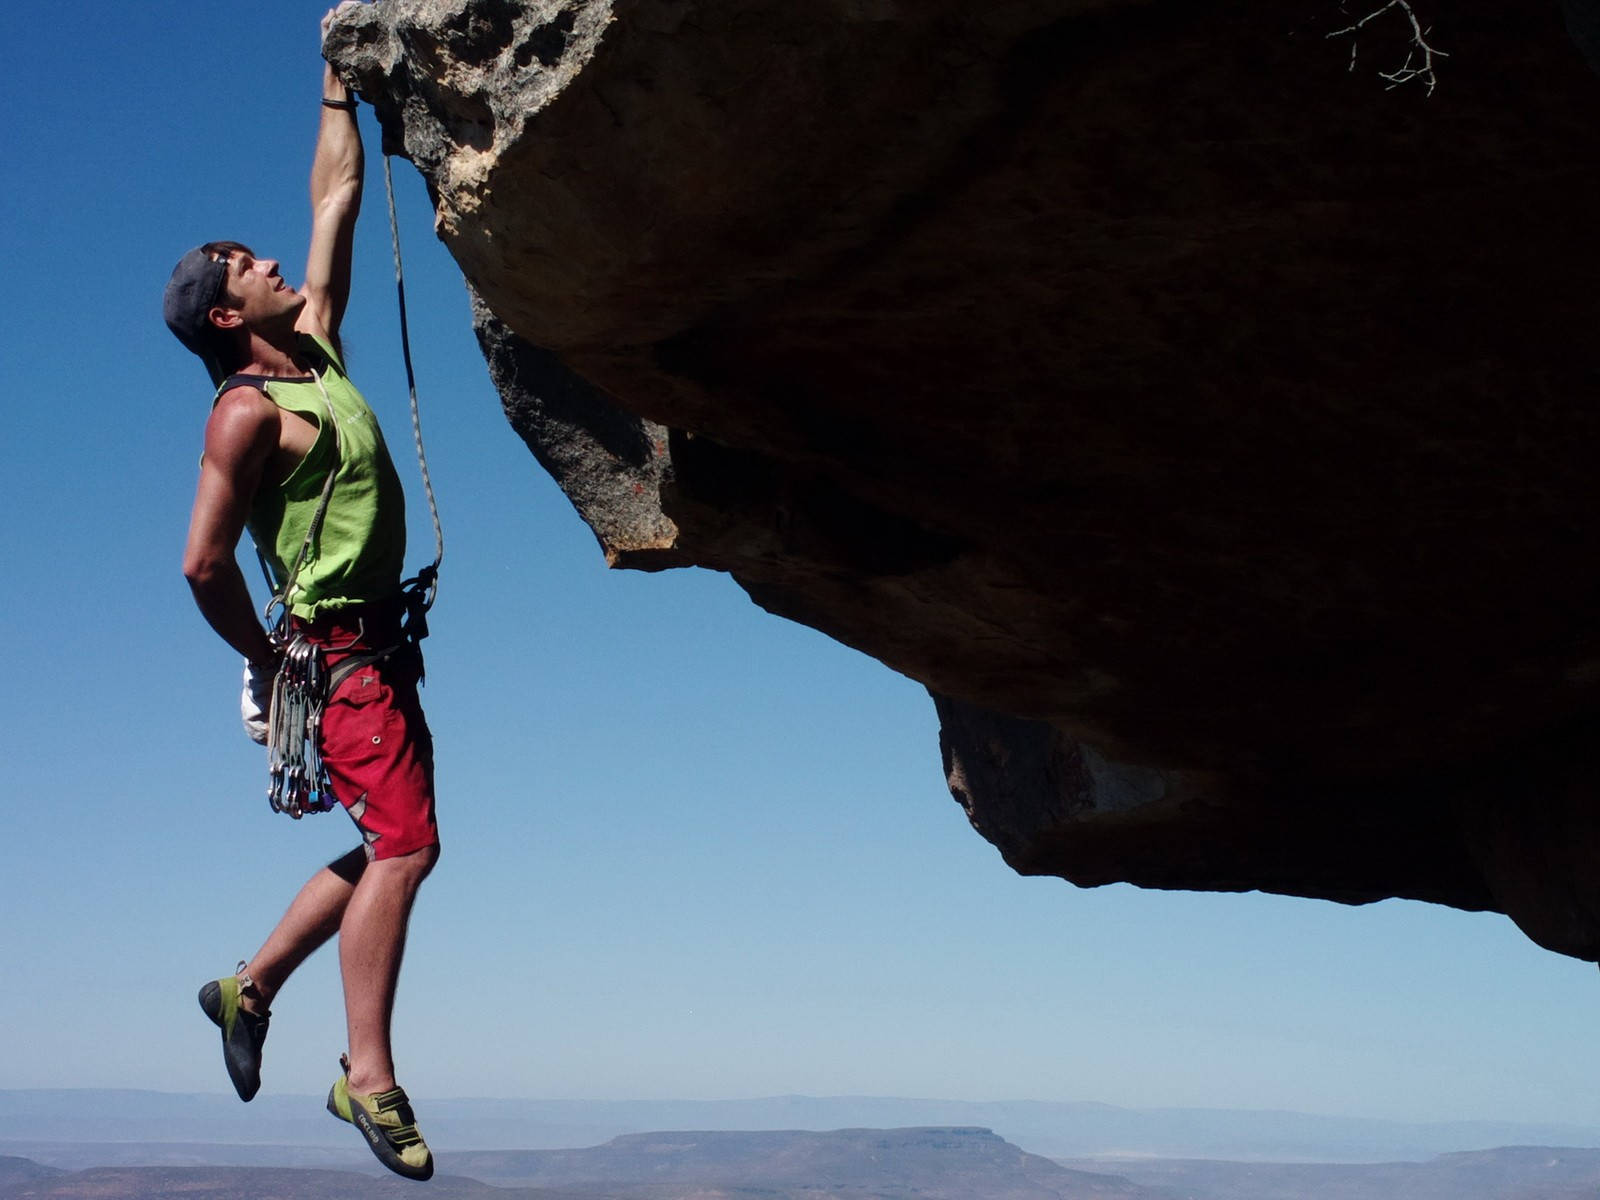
298	781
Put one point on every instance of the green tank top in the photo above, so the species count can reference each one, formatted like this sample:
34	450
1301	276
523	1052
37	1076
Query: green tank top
360	552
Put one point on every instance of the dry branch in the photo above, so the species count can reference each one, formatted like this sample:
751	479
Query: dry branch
1419	57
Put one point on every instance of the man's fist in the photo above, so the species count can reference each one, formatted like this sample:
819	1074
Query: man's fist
332	14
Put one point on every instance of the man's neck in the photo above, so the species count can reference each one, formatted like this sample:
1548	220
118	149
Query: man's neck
277	357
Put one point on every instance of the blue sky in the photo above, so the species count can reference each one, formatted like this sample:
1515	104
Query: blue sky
690	849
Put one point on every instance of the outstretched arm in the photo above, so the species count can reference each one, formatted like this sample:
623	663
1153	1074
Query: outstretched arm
336	171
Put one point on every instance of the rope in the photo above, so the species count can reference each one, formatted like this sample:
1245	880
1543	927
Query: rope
427	578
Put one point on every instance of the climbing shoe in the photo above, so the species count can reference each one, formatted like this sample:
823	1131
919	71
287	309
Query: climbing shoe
243	1032
385	1119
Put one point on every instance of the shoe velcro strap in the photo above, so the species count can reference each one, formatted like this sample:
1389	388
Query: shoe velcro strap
395	1102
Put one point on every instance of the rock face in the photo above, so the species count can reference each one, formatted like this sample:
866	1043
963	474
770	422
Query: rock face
1207	425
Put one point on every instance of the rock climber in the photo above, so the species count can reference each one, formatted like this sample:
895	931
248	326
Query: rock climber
286	422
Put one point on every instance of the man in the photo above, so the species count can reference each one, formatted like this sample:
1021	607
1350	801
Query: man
285	420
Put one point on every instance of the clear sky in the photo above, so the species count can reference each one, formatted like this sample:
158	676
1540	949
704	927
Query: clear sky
690	849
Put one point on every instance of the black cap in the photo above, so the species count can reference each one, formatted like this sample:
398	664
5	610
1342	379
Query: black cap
191	292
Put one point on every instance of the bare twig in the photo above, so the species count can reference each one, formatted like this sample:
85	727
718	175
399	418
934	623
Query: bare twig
1419	58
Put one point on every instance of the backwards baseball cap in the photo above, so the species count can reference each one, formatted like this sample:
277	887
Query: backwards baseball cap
191	292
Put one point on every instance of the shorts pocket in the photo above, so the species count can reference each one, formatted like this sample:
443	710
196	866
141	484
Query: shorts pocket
359	721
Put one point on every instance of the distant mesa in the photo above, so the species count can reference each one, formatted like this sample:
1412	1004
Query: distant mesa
930	1163
1210	427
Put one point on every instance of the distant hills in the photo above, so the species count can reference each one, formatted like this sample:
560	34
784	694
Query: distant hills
260	1183
167	1146
851	1164
946	1163
1508	1173
14	1170
45	1125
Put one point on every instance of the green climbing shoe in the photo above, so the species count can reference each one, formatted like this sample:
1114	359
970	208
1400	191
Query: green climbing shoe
243	1032
388	1124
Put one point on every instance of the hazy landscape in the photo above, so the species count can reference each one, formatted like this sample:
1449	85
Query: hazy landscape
151	1146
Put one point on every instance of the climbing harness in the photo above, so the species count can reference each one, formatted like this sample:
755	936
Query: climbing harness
298	781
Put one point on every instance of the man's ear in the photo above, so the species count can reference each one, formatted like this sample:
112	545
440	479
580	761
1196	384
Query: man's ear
224	318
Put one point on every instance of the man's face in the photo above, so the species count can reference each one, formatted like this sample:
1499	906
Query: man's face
264	299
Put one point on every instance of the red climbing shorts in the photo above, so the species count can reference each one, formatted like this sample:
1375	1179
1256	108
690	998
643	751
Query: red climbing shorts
375	740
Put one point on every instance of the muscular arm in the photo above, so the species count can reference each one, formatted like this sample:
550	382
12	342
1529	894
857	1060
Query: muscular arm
336	172
241	437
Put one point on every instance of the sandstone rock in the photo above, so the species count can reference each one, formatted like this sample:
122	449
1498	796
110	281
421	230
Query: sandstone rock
607	461
1208	426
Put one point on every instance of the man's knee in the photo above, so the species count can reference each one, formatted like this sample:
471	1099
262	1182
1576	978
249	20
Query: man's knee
414	866
427	858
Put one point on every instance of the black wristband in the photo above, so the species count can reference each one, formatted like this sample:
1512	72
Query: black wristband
347	105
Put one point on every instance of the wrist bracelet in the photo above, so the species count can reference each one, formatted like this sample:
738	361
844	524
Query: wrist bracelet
347	105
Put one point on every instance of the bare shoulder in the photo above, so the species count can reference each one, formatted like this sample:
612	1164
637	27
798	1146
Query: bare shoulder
243	425
241	405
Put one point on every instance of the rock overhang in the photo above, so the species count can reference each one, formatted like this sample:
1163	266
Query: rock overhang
1205	424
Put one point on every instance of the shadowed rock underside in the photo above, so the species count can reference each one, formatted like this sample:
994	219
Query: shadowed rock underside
1208	426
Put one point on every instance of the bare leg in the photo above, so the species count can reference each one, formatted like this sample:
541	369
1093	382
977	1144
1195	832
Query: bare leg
372	940
313	917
